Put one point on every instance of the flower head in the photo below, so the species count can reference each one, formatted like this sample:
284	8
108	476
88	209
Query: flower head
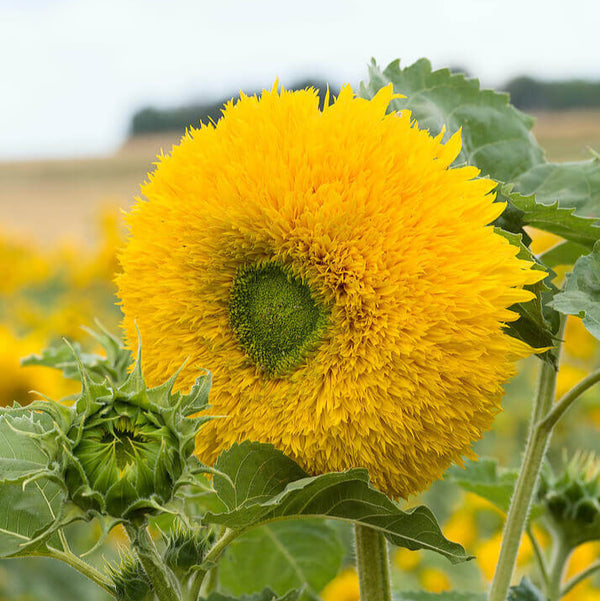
340	281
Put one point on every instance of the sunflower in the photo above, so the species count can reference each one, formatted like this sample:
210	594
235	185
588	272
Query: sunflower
340	281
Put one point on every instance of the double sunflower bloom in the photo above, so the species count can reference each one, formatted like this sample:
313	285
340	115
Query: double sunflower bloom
340	281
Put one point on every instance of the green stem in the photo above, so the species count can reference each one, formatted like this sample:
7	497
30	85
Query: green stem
84	568
373	564
571	584
539	555
213	556
210	584
565	402
560	557
518	513
165	585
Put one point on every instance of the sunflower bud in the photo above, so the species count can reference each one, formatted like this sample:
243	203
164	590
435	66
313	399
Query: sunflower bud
130	445
185	547
129	579
572	499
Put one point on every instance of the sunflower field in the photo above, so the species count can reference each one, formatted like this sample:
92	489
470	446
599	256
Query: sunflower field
330	353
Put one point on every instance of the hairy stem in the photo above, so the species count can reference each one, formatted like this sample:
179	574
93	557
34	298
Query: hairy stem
373	564
518	513
84	568
560	557
214	555
163	581
539	555
565	402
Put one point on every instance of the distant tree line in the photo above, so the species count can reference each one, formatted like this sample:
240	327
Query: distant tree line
151	119
529	93
526	93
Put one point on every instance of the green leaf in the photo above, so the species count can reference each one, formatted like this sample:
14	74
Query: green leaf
581	294
295	554
565	253
27	508
573	185
496	136
445	596
114	365
557	220
525	591
339	495
537	323
486	479
265	595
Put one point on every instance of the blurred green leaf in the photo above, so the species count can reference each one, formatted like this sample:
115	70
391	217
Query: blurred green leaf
445	596
265	595
565	253
114	365
496	136
525	591
295	554
340	495
486	479
28	508
581	293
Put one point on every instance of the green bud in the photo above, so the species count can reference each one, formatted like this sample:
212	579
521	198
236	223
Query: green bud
130	445
572	499
186	547
129	579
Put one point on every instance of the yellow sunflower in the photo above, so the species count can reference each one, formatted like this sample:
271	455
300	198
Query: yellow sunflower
340	281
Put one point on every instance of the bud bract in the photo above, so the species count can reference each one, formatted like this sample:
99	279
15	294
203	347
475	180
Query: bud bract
129	444
572	499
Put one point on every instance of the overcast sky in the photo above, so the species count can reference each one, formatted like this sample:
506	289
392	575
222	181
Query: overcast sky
74	71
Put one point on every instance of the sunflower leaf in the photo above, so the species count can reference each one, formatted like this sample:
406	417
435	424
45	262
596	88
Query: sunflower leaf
265	595
496	137
339	495
574	185
31	500
581	294
537	323
555	219
303	554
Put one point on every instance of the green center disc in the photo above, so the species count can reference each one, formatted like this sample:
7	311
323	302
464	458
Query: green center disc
274	316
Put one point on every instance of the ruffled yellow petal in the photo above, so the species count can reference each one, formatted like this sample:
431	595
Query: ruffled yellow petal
362	207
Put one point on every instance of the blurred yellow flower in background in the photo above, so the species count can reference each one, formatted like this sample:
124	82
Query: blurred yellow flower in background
16	382
344	587
434	580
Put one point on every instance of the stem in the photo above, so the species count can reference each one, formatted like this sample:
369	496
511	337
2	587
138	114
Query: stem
560	558
539	555
518	513
84	568
373	564
213	556
165	585
562	406
571	584
210	584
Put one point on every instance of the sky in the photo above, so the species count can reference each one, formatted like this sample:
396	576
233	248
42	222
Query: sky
73	72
